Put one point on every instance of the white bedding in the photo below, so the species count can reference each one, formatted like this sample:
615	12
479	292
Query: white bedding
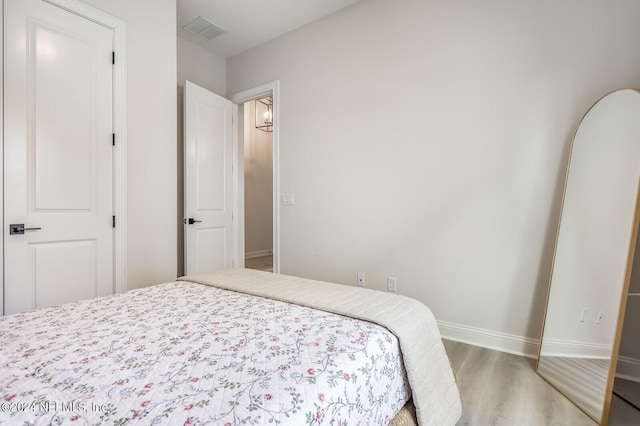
433	386
186	353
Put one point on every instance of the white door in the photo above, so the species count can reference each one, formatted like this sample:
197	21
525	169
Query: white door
208	191
58	156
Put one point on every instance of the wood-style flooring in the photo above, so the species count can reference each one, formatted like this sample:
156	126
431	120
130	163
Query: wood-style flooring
497	388
261	263
627	390
584	380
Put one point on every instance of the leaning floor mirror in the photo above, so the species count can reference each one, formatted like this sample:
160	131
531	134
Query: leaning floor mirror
594	255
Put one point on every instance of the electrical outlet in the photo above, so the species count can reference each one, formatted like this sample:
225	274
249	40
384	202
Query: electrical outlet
599	317
287	199
391	284
360	279
582	315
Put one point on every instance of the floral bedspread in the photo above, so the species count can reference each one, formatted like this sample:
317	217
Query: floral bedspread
184	353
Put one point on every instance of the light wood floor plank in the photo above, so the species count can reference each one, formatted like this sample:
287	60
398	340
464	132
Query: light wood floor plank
261	263
502	389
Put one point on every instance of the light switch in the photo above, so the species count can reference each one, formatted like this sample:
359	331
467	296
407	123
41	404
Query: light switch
287	199
392	284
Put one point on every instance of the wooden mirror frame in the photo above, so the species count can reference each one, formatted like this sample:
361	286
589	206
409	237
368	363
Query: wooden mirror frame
635	222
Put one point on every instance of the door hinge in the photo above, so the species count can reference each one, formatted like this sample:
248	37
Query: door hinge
113	58
113	221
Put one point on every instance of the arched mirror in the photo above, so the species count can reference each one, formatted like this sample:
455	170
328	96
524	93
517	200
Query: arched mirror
594	255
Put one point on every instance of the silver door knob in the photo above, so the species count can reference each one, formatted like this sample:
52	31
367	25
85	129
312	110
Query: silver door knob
18	229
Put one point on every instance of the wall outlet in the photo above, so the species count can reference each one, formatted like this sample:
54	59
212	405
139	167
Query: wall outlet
583	314
360	279
391	284
287	199
599	317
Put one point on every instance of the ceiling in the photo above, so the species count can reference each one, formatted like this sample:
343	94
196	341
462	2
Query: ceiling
249	23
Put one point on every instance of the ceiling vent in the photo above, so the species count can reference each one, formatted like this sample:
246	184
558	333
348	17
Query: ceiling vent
203	28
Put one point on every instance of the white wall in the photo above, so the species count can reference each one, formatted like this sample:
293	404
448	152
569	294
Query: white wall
258	185
428	140
201	67
151	137
206	70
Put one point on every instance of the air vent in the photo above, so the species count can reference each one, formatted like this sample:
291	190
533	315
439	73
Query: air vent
203	28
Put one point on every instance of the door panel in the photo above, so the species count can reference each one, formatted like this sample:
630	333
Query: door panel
63	178
58	156
211	249
208	181
210	156
52	261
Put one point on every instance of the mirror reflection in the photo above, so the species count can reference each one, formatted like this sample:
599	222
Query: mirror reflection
625	402
596	236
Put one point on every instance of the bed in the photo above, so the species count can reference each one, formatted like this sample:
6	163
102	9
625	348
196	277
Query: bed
229	348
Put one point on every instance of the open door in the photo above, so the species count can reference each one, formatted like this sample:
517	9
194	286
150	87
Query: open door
208	185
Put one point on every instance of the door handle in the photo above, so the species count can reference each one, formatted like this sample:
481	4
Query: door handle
18	229
192	221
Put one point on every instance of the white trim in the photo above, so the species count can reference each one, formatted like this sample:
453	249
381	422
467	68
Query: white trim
238	188
503	342
272	88
574	349
2	157
82	9
119	128
628	368
120	154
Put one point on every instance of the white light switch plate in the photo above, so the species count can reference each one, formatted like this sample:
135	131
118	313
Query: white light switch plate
392	284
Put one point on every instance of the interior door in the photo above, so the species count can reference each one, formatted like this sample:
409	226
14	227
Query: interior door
58	156
208	157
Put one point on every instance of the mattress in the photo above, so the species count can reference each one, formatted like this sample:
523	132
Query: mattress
185	353
236	347
434	391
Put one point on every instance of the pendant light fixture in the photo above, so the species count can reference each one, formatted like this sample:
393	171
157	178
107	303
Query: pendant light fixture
264	114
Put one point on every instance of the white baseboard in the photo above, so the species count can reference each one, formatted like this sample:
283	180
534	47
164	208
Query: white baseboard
572	349
628	368
503	342
257	253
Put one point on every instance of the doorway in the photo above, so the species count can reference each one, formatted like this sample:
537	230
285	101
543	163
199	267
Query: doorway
257	188
258	183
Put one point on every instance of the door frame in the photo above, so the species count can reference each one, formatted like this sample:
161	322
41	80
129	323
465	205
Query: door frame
271	88
119	117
